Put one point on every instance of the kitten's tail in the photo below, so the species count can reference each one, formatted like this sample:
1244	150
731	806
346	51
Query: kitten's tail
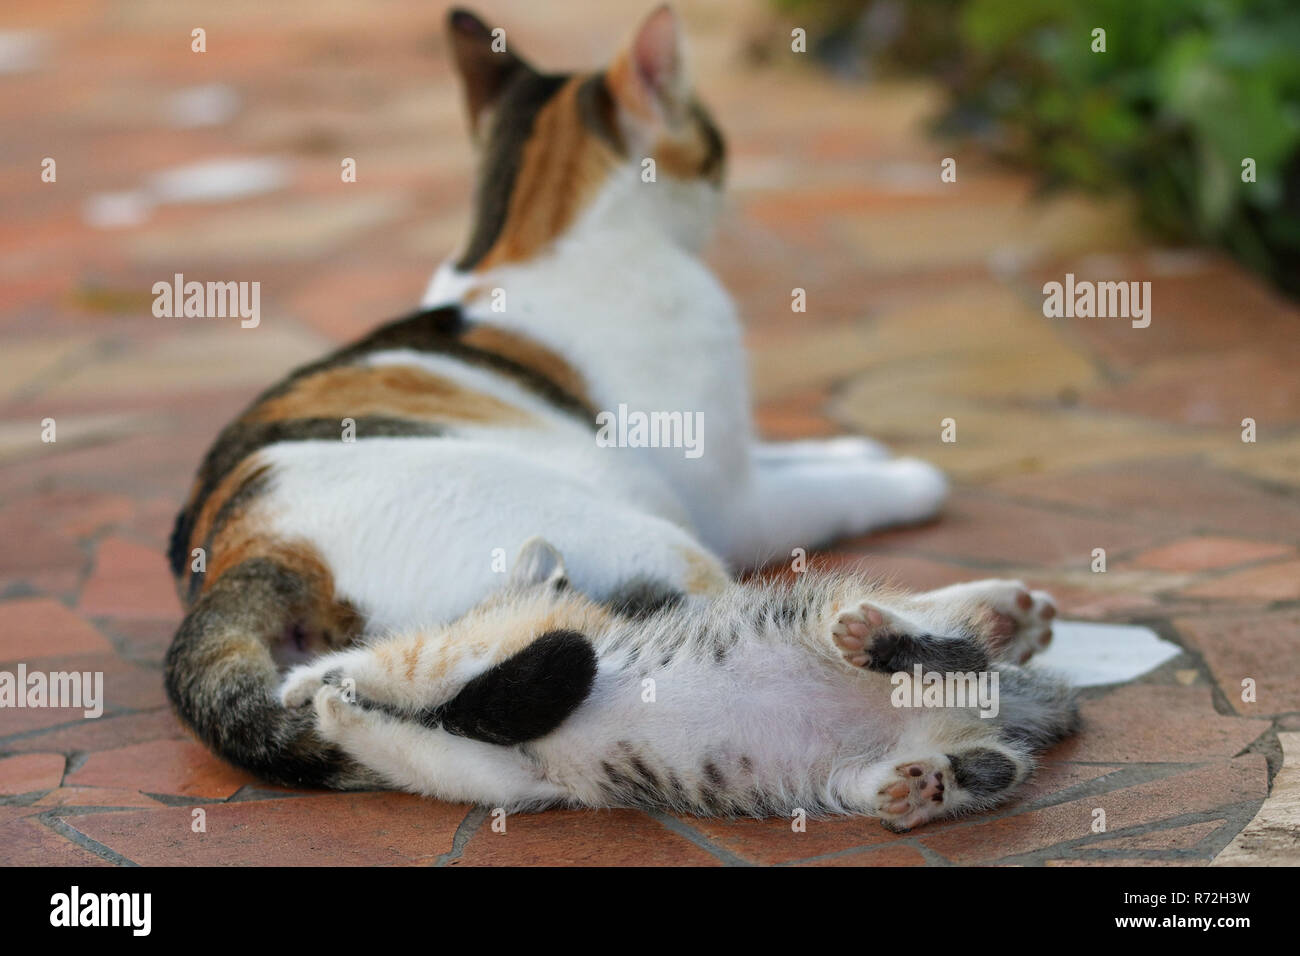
222	680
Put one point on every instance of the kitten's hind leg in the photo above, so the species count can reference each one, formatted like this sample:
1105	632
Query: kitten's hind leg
1013	622
519	698
504	673
907	790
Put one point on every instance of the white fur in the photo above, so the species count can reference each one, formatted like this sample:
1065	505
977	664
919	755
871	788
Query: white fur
629	303
779	722
625	299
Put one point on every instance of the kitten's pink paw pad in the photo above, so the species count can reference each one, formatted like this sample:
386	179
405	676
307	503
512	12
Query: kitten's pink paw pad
1019	620
914	794
854	630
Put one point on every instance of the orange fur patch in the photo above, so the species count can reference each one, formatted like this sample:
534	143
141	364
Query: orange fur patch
532	355
684	157
398	391
248	470
335	622
704	575
563	165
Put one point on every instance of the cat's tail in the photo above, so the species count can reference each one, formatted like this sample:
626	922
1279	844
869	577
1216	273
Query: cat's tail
222	679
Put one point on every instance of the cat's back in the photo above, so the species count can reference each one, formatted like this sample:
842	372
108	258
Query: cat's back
404	461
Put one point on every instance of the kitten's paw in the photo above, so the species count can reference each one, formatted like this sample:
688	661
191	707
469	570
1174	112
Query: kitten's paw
856	632
1019	621
301	684
915	792
869	637
335	712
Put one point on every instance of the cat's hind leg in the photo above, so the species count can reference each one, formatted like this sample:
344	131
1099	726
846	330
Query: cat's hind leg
805	502
805	450
507	672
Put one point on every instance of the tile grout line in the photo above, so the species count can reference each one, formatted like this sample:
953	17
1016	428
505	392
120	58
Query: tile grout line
72	834
1090	848
465	830
688	832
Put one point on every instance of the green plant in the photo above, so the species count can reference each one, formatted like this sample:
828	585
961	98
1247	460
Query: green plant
1184	93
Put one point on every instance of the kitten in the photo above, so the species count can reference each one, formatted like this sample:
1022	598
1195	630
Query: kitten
760	700
472	422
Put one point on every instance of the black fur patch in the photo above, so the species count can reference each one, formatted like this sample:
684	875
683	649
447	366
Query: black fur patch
599	113
503	152
890	653
717	150
642	597
983	772
525	696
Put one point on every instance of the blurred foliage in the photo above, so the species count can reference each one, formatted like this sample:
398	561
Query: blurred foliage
1185	90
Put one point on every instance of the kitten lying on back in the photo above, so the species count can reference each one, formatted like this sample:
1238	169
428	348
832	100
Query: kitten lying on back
579	290
759	700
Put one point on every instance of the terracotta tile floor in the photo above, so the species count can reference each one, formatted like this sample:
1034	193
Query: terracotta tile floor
924	304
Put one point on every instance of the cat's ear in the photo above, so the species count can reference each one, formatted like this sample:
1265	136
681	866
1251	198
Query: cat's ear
538	563
648	78
484	61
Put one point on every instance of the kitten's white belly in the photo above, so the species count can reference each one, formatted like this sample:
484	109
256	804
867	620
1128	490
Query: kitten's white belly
769	718
418	531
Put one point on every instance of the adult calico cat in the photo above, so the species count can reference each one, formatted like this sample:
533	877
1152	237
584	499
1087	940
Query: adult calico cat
579	290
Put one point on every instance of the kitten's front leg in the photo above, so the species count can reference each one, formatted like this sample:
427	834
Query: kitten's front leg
870	635
959	628
430	760
408	673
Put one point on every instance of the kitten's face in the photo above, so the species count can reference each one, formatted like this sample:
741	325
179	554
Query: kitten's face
556	150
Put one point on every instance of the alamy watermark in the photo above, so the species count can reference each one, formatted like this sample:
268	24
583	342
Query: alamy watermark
636	429
179	299
56	689
132	911
1084	299
953	689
